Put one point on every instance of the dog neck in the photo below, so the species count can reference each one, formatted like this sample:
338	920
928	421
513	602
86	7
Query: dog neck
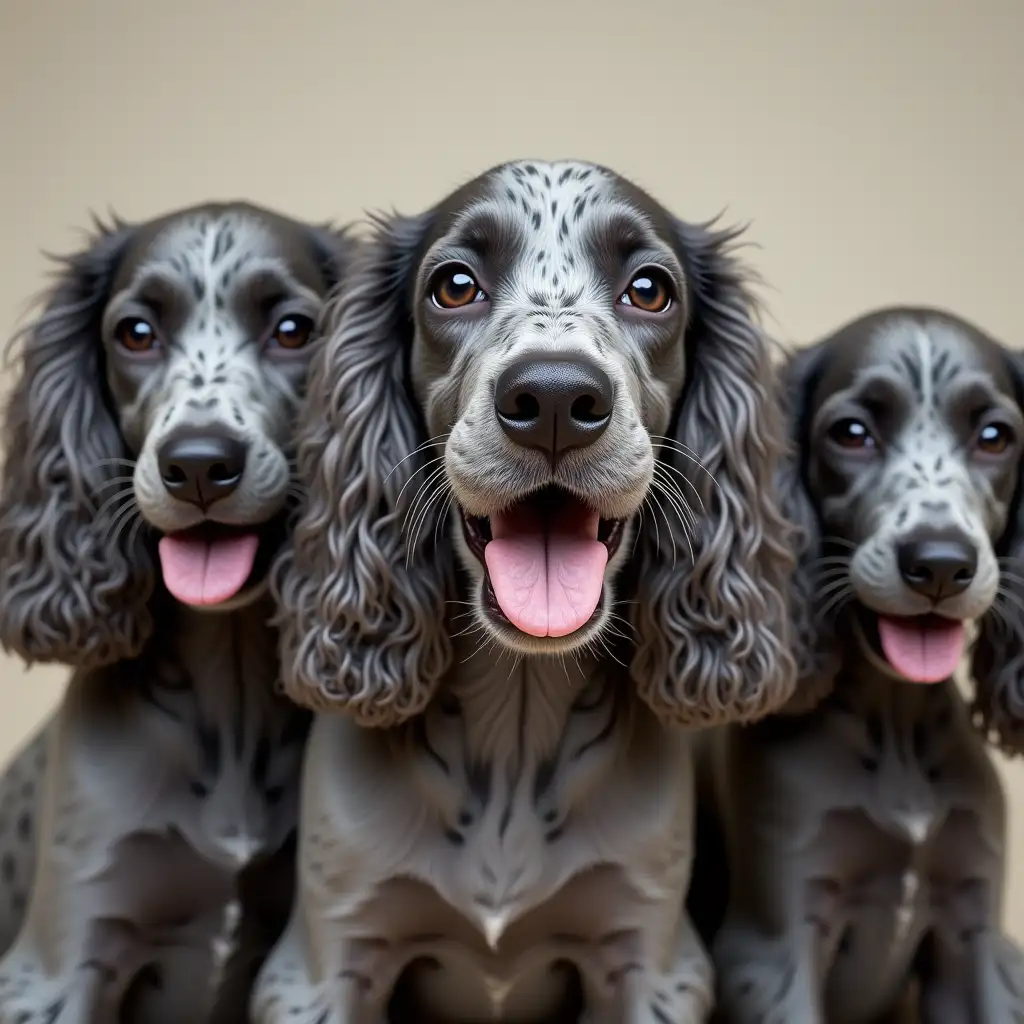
518	706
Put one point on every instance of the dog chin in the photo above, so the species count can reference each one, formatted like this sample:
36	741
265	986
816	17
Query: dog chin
542	571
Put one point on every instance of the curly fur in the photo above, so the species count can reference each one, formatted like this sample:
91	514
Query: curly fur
363	612
500	796
856	845
997	664
171	753
73	591
367	632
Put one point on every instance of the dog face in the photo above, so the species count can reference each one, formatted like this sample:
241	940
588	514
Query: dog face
911	434
548	358
158	397
539	370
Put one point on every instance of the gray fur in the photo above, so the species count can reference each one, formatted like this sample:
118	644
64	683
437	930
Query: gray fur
521	814
865	829
170	770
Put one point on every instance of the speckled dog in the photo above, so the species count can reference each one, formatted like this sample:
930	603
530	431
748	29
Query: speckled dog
551	383
866	830
152	426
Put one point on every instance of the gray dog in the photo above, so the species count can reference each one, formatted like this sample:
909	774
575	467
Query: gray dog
151	427
540	541
866	830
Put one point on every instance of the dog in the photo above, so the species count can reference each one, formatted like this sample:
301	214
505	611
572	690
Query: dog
147	488
865	826
544	402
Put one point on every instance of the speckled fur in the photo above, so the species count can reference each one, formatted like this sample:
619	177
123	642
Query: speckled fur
513	838
166	782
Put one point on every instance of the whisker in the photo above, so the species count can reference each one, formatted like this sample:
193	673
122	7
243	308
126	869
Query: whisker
684	522
426	444
682	476
125	492
412	476
421	492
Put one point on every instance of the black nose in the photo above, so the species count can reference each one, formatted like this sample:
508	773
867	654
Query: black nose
201	468
553	404
937	566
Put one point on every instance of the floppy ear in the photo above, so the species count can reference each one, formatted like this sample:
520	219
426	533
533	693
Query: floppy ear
997	660
334	248
363	600
714	636
74	577
814	641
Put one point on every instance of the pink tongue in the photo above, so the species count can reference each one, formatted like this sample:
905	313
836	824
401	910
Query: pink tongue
547	576
922	651
199	571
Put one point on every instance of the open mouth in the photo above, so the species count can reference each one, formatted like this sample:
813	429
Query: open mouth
213	562
544	561
921	648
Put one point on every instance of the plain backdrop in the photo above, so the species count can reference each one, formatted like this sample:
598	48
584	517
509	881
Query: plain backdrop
874	147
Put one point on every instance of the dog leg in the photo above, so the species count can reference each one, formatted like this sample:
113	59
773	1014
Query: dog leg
356	978
769	980
973	979
623	986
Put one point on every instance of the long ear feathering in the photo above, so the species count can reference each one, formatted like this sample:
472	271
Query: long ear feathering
75	576
335	247
363	600
714	636
997	659
814	641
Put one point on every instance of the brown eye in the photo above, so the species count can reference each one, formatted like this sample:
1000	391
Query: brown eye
455	287
995	438
136	335
851	434
293	332
648	291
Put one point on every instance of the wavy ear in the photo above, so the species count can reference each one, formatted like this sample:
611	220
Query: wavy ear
334	249
997	660
814	640
714	636
362	586
74	583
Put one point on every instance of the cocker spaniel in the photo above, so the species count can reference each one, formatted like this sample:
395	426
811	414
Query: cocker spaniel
539	541
866	829
145	492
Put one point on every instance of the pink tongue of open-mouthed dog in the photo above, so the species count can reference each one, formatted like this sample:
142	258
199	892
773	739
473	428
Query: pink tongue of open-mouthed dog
546	566
923	649
202	571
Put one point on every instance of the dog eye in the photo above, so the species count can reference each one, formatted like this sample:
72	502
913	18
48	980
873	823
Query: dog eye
995	438
648	291
851	434
293	332
136	335
455	287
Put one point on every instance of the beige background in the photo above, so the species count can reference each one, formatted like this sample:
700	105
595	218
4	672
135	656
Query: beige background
876	147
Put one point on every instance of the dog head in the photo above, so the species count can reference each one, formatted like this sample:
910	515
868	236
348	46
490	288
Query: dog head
909	431
540	368
156	398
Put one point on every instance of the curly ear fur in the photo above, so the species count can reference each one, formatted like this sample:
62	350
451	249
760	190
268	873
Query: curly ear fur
814	641
334	248
362	613
997	660
714	637
71	588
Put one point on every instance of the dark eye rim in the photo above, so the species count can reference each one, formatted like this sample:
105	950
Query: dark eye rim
869	444
658	273
272	341
1009	432
119	327
449	268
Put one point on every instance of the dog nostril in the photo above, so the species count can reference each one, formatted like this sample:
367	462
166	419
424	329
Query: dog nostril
218	473
584	410
526	407
174	476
